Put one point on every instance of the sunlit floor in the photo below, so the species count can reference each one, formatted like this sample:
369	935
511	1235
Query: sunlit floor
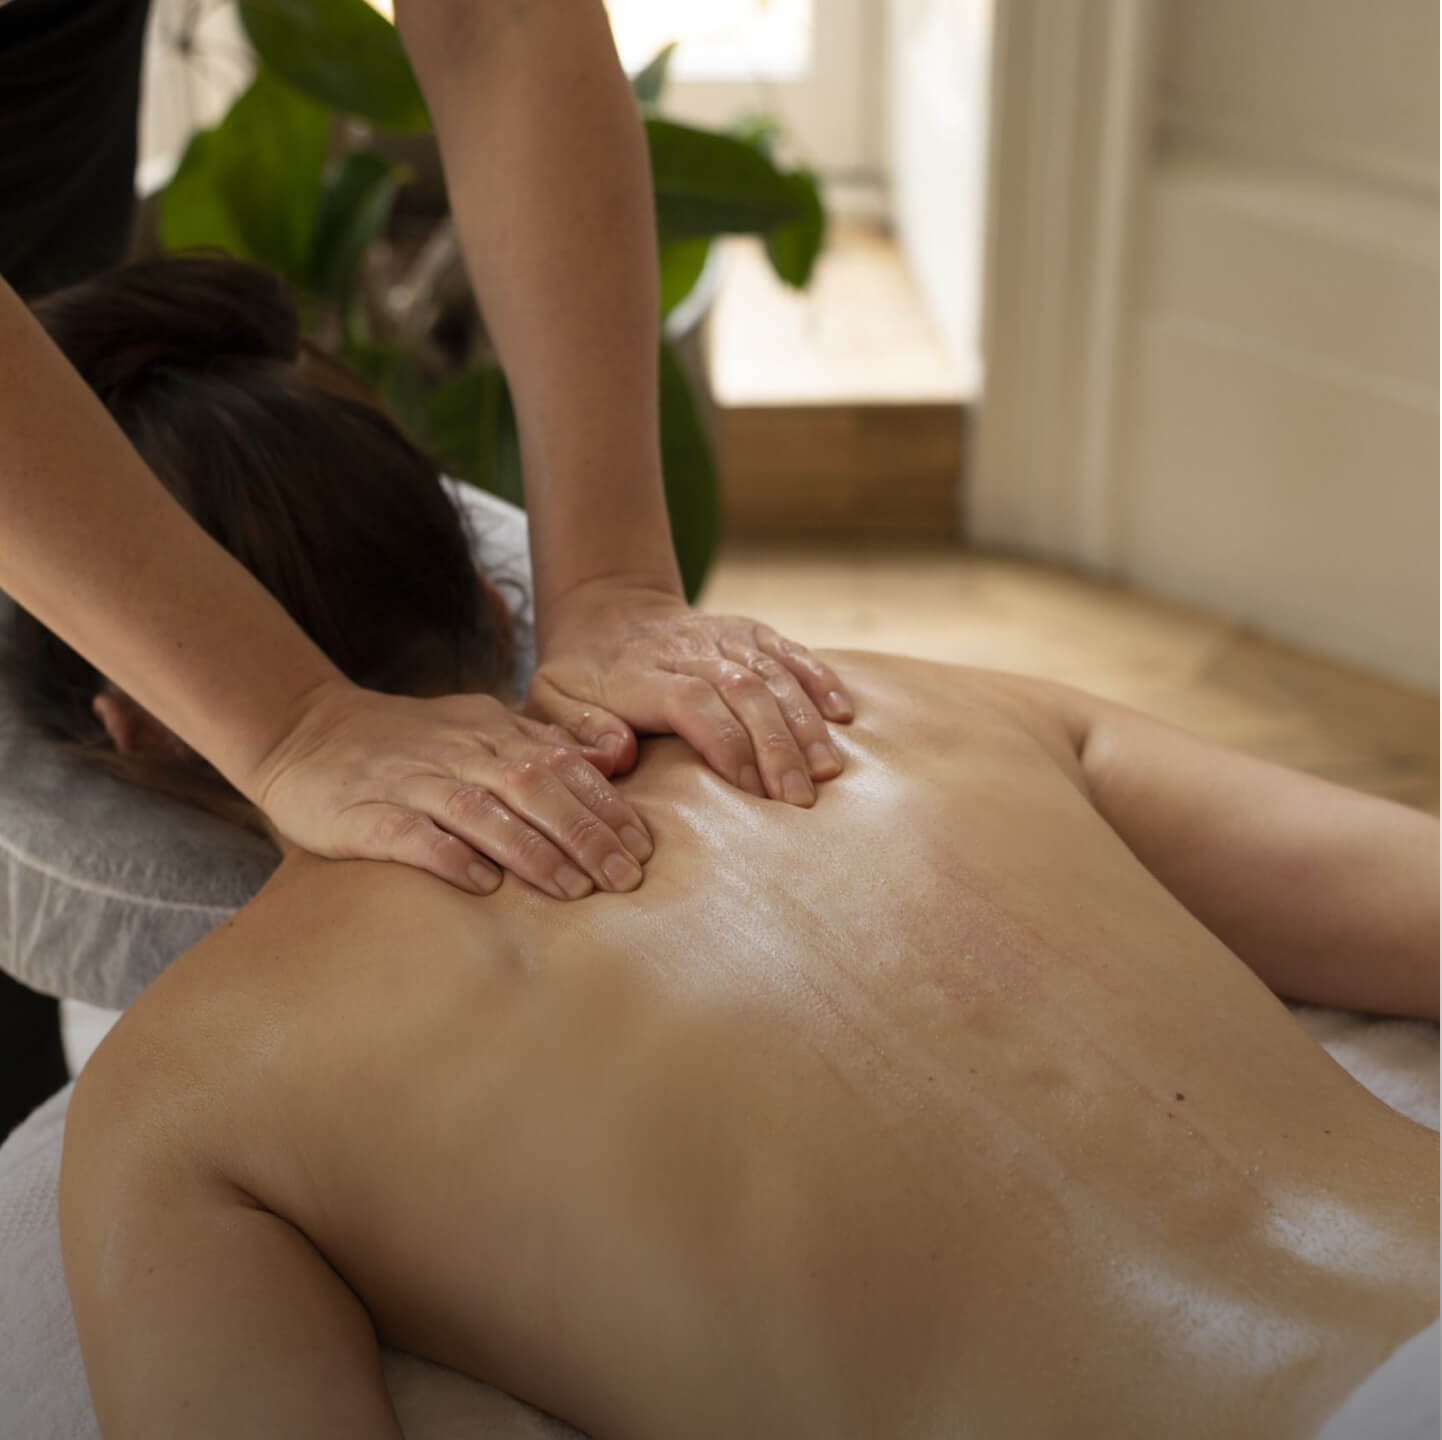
859	333
1213	678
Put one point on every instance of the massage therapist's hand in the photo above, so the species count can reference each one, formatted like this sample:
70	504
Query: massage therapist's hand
617	659
439	784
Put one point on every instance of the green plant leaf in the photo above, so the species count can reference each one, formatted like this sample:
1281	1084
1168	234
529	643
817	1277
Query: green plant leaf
252	184
794	247
471	430
710	184
454	423
193	210
650	80
682	262
396	379
693	497
759	130
357	196
341	52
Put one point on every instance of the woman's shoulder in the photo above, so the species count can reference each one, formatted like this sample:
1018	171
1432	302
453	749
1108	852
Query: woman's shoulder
921	703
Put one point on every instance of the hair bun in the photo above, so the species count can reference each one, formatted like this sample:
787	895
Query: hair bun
177	311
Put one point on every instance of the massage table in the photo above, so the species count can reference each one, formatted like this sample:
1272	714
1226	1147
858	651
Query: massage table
93	920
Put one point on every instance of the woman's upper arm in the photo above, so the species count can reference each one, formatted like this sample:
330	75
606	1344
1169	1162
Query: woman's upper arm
1328	894
200	1312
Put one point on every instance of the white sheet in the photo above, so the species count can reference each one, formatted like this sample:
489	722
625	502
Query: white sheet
43	1394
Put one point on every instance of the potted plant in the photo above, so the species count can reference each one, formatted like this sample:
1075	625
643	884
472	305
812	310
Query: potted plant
315	171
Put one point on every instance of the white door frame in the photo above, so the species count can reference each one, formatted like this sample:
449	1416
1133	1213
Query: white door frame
1073	86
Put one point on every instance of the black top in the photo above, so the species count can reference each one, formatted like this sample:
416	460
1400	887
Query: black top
69	108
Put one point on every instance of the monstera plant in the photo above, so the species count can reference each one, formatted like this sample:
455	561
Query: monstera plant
303	174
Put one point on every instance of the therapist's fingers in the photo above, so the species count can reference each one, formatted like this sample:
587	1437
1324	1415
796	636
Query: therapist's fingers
396	832
809	730
568	798
547	815
597	729
585	766
774	755
456	785
691	708
825	687
478	815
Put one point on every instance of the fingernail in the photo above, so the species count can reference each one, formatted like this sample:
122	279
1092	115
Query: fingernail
837	706
824	761
620	873
796	788
751	781
486	880
571	882
637	843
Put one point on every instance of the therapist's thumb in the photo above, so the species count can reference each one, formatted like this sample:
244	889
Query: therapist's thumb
609	741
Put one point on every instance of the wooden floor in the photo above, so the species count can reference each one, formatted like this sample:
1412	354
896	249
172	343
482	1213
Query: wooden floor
1221	682
838	410
858	334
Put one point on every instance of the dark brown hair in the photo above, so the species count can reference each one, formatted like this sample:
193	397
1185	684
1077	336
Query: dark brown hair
314	490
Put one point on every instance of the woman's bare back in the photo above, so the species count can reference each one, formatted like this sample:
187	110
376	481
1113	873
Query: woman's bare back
928	1107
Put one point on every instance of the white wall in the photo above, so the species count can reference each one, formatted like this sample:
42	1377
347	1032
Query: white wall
1340	86
186	91
1280	458
1211	353
939	58
832	116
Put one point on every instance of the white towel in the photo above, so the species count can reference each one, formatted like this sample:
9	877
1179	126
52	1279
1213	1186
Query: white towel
43	1395
1399	1400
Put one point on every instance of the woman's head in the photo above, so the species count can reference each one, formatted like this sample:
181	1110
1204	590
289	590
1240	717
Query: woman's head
313	490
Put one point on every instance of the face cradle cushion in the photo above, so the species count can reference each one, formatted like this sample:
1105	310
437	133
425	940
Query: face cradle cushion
103	884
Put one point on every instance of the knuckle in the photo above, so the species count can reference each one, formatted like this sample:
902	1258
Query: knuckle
470	805
522	773
401	828
778	742
557	759
581	832
736	680
731	736
530	848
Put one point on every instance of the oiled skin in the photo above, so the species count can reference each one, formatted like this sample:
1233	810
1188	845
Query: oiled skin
926	1113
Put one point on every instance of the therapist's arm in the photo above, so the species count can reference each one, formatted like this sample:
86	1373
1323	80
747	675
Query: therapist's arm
94	546
549	181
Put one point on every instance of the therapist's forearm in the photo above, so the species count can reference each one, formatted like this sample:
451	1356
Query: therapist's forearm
549	181
94	546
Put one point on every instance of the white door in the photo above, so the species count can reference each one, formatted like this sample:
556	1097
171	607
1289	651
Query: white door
1213	307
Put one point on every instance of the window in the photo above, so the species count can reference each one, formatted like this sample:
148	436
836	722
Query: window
718	39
